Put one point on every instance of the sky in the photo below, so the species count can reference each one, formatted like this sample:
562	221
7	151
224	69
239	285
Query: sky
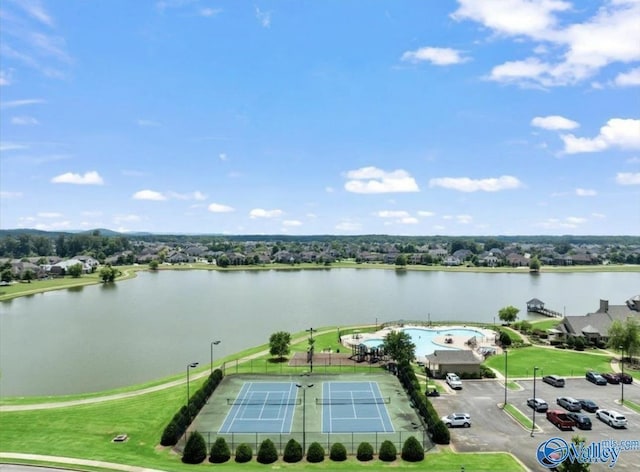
467	117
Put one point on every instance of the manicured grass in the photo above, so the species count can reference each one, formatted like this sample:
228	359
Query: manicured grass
520	417
549	361
632	405
546	324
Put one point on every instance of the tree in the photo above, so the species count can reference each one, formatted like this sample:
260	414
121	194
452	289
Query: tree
28	275
388	451
153	265
7	275
279	344
195	451
626	335
412	450
292	452
243	453
574	466
401	260
338	452
109	274
267	453
534	264
315	453
75	270
508	314
220	451
398	346
365	452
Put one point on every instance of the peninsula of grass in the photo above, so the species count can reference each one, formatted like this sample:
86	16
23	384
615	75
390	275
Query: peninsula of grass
517	415
85	431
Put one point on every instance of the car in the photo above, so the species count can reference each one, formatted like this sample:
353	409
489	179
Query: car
538	404
624	378
569	403
554	380
611	378
561	420
612	418
581	420
457	419
595	378
454	381
589	405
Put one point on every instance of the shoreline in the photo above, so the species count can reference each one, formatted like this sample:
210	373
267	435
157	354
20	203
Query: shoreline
130	272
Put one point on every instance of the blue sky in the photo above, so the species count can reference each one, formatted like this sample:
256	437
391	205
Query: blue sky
463	117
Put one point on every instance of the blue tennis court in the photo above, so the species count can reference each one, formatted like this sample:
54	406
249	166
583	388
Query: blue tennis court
262	407
354	407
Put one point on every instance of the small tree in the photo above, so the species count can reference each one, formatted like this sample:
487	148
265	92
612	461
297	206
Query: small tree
153	265
579	343
570	466
440	433
292	451
243	453
279	344
267	453
109	274
508	314
365	452
399	346
534	264
220	451
195	451
412	450
505	339
338	452
75	270
388	451
315	453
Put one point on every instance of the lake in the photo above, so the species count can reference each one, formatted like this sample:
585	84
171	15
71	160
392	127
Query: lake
102	337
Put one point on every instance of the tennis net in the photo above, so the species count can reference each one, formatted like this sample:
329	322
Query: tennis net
265	401
353	401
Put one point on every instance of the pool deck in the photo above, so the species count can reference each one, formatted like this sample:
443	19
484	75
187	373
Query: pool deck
484	341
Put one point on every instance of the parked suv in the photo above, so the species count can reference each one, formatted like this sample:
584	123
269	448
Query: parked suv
454	381
612	418
457	419
538	404
554	380
595	378
569	403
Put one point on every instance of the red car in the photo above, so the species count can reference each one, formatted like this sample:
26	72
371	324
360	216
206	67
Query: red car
611	378
624	378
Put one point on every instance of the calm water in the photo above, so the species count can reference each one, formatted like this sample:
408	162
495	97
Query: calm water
96	337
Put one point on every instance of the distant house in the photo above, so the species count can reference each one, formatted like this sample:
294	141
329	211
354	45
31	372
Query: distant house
459	361
595	326
62	267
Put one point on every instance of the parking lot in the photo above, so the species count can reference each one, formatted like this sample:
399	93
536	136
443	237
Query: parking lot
494	430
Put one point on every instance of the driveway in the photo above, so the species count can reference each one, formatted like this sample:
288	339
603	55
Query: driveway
494	430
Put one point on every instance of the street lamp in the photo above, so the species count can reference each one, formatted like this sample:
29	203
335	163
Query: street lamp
533	427
506	376
304	388
622	376
190	366
213	343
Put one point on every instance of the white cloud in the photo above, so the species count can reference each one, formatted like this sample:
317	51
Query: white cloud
7	195
618	132
5	78
130	218
392	214
436	56
35	10
11	146
408	220
571	222
261	213
24	120
21	103
528	71
465	184
264	17
89	178
464	219
628	79
628	178
49	214
197	195
585	192
350	226
374	180
209	12
554	122
148	123
149	195
291	223
223	157
220	208
426	213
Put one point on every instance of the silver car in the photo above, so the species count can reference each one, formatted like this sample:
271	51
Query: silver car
612	418
457	419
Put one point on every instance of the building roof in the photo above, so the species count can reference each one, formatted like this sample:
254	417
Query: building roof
448	356
598	322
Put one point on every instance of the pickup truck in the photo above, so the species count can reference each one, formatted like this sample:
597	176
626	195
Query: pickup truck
561	420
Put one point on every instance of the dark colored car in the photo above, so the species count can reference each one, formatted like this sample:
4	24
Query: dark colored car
624	378
611	378
582	421
554	380
588	405
538	404
595	378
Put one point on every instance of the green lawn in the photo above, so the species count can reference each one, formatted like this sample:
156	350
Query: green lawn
549	361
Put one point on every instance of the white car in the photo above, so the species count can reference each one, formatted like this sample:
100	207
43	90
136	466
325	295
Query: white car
454	381
612	418
457	419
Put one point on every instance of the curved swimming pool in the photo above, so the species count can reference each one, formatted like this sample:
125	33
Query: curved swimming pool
424	338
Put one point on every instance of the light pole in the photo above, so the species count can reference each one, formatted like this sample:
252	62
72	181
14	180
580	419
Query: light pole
190	366
213	343
533	427
304	388
506	376
622	376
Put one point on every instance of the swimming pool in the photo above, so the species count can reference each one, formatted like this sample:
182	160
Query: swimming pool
423	338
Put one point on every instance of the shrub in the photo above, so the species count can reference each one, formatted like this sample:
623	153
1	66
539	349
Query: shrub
487	373
338	452
440	433
243	453
580	344
365	452
315	453
170	435
267	453
292	451
220	451
195	451
387	452
412	450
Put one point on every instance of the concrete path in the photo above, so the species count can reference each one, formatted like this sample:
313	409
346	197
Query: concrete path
74	461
